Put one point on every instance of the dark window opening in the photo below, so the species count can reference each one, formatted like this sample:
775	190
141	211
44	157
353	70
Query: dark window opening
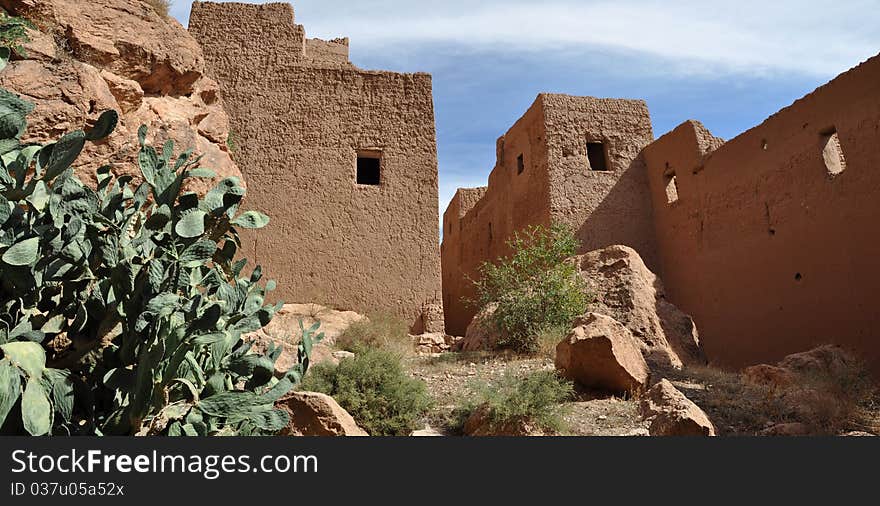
490	232
369	168
596	156
520	164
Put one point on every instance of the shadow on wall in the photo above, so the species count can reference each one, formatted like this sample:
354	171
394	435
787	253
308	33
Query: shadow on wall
624	216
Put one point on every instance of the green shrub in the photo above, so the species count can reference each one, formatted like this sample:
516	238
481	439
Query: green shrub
535	289
535	398
13	33
378	330
375	389
122	309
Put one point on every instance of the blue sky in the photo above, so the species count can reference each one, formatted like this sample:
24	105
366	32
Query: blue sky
728	64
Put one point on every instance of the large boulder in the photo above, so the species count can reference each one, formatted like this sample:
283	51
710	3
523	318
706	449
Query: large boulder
317	414
482	334
826	360
599	352
671	413
121	55
626	290
284	331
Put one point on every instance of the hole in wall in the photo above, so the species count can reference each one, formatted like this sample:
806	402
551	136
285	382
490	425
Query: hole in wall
771	231
369	168
596	156
764	145
832	153
520	164
671	188
798	276
490	231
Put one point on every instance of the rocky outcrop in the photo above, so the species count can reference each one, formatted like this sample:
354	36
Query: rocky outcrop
317	414
431	343
284	331
121	55
601	353
626	290
482	334
671	413
827	361
771	375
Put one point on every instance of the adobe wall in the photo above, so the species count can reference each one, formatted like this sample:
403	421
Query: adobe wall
604	207
556	184
476	230
769	249
301	113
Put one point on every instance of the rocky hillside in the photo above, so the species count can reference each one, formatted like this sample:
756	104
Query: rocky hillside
121	55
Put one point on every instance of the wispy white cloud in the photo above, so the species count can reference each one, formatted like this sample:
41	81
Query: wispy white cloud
728	63
807	36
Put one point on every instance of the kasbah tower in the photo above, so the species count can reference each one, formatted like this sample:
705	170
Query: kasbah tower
344	161
768	240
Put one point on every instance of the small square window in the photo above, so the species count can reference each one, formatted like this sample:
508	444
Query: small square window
520	164
596	156
369	168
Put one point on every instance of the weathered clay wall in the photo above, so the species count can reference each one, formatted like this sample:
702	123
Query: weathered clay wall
299	122
604	207
769	245
556	183
511	201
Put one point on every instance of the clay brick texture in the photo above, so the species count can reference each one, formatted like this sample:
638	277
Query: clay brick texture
568	159
343	160
770	240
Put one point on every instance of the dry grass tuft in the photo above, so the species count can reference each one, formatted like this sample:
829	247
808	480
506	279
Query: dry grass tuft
162	7
827	403
379	331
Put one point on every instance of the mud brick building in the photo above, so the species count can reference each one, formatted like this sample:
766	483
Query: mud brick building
343	160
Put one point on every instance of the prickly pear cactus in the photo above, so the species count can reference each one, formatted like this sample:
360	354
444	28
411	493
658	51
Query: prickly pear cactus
122	308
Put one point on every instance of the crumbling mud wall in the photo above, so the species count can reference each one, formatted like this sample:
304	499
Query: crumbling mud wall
302	116
770	240
568	159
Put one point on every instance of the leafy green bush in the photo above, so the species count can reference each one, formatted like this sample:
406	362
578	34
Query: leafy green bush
378	330
122	309
375	390
535	289
535	398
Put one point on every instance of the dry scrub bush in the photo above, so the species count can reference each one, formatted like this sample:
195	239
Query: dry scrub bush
374	388
378	330
536	398
826	403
